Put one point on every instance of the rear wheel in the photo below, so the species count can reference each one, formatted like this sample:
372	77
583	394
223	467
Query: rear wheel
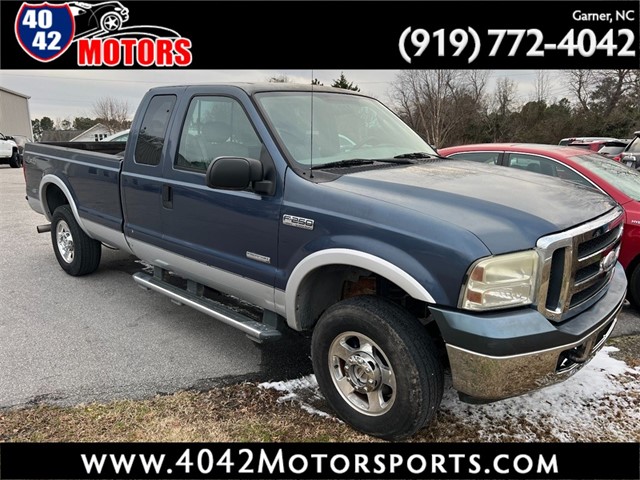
76	252
14	161
633	290
376	366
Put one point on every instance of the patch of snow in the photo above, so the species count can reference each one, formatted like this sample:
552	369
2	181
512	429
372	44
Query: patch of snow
600	402
594	403
292	385
302	391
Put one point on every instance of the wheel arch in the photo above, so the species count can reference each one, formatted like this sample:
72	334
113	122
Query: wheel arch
53	193
317	282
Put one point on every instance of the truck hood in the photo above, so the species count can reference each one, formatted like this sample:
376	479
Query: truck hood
507	209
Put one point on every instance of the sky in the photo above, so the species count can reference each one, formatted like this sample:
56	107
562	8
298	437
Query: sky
66	94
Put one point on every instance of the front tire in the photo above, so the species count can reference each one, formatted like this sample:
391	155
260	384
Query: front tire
633	289
76	252
14	161
376	366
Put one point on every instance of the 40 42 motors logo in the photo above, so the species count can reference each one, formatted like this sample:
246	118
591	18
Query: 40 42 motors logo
102	35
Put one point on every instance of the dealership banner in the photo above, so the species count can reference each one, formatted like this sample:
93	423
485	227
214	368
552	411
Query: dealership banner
321	461
320	34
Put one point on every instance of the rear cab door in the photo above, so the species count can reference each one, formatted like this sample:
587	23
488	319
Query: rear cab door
141	177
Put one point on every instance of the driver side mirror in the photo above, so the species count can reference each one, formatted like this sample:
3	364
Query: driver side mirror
237	173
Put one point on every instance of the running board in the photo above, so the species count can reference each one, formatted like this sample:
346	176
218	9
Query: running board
256	331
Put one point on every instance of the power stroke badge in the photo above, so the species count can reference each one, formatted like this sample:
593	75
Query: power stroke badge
103	33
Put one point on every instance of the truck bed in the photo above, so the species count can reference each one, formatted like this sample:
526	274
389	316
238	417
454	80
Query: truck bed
92	178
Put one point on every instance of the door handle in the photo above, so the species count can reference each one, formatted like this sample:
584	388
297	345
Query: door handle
167	196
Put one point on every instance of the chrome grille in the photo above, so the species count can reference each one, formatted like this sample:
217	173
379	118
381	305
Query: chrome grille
577	265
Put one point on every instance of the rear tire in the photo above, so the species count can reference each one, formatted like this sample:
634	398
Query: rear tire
14	161
376	366
633	290
76	252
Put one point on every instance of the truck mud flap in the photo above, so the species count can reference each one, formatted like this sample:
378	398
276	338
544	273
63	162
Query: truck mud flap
256	331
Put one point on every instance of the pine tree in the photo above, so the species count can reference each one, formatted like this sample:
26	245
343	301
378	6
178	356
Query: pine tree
342	82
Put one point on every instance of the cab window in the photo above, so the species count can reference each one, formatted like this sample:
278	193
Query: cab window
215	126
154	129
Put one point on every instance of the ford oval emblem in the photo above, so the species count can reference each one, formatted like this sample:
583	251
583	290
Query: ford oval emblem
609	261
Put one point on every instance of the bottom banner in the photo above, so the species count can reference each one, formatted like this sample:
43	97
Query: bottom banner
326	460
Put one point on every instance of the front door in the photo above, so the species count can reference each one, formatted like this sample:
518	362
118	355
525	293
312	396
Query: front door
231	234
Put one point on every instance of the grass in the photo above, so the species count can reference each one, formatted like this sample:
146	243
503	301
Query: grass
235	413
247	413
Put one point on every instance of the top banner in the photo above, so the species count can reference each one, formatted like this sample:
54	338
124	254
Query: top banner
320	34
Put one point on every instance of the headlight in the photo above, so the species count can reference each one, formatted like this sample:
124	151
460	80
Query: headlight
500	282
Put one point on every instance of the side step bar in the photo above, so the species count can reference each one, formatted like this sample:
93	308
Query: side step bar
256	331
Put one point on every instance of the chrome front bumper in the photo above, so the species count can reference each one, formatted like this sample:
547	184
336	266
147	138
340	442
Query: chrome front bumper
490	378
485	352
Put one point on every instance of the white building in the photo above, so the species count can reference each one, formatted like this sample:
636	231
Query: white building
15	118
93	134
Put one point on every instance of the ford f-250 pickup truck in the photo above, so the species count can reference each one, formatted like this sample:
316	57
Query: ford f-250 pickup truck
324	210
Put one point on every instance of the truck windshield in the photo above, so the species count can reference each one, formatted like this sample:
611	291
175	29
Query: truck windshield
321	127
625	179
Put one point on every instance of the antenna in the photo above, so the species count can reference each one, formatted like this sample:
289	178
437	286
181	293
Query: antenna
311	159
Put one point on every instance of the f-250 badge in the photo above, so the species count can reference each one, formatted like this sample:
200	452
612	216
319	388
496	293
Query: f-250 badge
102	33
298	222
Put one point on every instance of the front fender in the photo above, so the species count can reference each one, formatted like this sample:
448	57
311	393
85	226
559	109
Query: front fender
413	283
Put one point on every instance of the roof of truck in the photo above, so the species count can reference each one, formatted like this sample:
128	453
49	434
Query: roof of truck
252	88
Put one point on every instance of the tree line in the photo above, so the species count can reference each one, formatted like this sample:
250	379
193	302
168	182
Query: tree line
110	112
453	107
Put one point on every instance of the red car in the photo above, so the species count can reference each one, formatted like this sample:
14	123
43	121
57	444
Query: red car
577	165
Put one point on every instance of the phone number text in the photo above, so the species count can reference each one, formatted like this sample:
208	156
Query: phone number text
514	42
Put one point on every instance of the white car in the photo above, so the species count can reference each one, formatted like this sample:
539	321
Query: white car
9	152
120	136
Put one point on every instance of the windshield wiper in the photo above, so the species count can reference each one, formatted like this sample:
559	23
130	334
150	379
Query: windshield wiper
344	163
414	155
354	162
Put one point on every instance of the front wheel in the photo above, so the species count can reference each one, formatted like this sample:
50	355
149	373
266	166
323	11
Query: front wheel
14	161
376	366
76	252
633	289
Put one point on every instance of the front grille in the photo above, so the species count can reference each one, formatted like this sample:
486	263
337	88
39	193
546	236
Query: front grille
577	265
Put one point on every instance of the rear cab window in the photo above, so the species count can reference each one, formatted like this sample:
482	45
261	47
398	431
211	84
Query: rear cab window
153	131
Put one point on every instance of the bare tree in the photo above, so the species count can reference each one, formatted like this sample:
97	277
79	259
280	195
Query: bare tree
62	124
438	103
612	86
113	113
502	105
476	80
581	84
504	96
541	86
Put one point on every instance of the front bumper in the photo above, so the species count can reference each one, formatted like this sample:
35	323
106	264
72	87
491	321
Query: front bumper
496	356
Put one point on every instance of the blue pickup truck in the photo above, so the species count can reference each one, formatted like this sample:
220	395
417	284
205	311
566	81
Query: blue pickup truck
326	212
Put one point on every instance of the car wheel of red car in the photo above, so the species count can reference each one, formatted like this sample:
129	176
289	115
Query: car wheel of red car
633	292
